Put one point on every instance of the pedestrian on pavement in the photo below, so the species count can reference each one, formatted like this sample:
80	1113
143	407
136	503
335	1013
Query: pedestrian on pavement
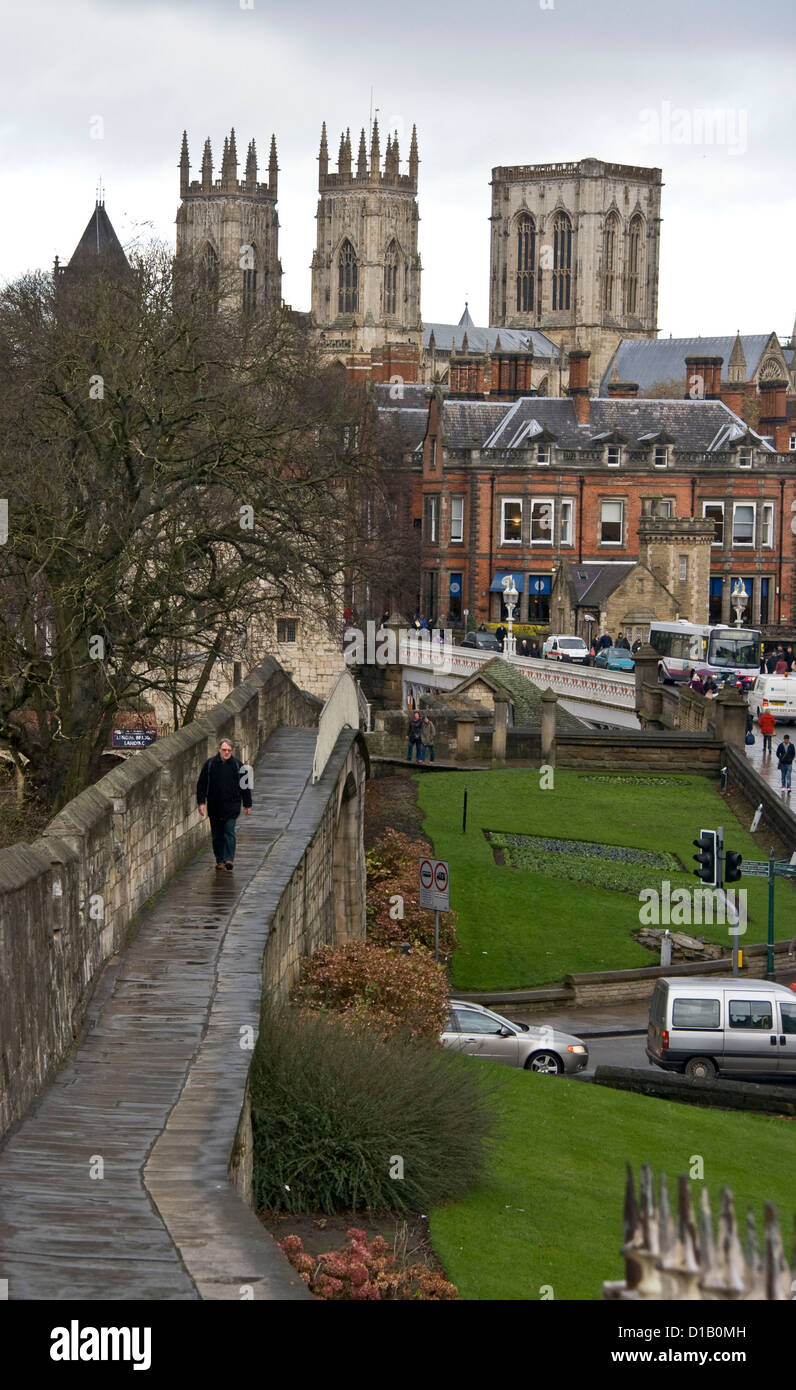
622	641
427	732
637	645
524	649
781	668
695	682
789	657
501	633
534	651
219	794
709	686
606	640
785	755
767	724
415	726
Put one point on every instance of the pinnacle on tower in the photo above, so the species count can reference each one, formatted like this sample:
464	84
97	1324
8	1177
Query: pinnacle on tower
184	165
345	166
413	159
375	156
341	154
396	158
273	167
207	167
251	166
362	161
323	157
231	181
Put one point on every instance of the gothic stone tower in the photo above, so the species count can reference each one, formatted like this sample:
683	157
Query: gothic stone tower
229	228
366	269
574	252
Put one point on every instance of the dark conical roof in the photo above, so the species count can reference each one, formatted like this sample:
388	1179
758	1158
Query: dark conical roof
99	244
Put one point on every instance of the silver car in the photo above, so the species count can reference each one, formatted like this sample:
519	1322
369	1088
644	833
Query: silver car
537	1047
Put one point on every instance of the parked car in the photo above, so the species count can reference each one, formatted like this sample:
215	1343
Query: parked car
481	1033
484	641
614	659
729	1027
566	649
779	692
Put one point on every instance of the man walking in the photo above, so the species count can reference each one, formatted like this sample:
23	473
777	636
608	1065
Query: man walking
785	755
219	795
427	732
415	727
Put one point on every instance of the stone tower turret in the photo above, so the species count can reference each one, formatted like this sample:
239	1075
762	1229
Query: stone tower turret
366	267
228	229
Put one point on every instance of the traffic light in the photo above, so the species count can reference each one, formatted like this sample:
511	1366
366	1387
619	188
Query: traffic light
732	866
707	858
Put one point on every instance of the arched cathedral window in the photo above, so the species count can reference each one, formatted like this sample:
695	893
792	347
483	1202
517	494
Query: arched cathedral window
609	262
348	280
392	263
635	258
208	270
526	262
562	261
250	281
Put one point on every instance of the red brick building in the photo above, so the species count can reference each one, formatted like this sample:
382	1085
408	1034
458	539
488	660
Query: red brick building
519	486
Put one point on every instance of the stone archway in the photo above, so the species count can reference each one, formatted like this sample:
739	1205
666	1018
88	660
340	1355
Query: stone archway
348	861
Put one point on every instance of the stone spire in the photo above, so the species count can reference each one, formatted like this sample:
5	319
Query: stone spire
345	168
375	154
362	159
413	158
185	165
273	168
396	158
323	156
232	164
251	167
207	167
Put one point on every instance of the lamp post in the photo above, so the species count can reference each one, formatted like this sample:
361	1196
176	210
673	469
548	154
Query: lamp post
739	599
510	596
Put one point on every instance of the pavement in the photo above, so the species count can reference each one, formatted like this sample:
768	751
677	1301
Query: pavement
767	766
77	1218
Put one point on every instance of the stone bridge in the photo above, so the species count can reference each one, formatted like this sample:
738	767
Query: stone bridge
438	666
132	978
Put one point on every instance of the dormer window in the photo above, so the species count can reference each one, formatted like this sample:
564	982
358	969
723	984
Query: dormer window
614	455
744	458
543	454
660	456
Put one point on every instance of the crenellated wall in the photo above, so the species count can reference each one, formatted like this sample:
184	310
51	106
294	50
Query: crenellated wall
70	900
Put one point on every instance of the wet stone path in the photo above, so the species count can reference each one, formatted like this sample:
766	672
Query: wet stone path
65	1231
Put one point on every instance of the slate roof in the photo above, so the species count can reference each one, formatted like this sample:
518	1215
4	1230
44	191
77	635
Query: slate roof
692	425
450	336
99	242
413	395
402	429
593	582
652	361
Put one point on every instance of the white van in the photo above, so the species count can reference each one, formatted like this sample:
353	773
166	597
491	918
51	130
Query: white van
736	1027
778	693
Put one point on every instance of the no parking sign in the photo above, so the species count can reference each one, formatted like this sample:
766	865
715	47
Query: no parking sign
435	885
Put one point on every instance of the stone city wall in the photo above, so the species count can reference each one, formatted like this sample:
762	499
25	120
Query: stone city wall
69	901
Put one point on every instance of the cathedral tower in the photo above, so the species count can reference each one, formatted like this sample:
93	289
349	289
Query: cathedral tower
366	269
574	252
230	229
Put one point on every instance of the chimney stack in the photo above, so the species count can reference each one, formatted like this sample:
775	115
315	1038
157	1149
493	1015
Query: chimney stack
578	387
703	377
773	412
622	389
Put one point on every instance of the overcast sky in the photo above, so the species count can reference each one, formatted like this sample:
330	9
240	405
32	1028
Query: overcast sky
537	80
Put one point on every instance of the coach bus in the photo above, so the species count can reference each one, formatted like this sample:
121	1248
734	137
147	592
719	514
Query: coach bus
717	648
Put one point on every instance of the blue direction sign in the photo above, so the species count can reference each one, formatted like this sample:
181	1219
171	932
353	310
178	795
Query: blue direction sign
133	738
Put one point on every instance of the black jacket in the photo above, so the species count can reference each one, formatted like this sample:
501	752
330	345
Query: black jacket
786	753
219	788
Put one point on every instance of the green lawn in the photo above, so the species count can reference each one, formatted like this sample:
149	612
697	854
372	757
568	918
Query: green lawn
552	1213
520	928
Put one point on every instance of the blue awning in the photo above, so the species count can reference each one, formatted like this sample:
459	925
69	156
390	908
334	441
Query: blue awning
716	588
496	587
539	584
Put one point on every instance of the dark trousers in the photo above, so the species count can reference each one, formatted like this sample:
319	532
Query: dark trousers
414	743
766	743
223	833
426	749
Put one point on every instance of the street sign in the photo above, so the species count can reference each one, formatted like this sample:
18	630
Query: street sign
435	885
752	866
133	738
782	868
